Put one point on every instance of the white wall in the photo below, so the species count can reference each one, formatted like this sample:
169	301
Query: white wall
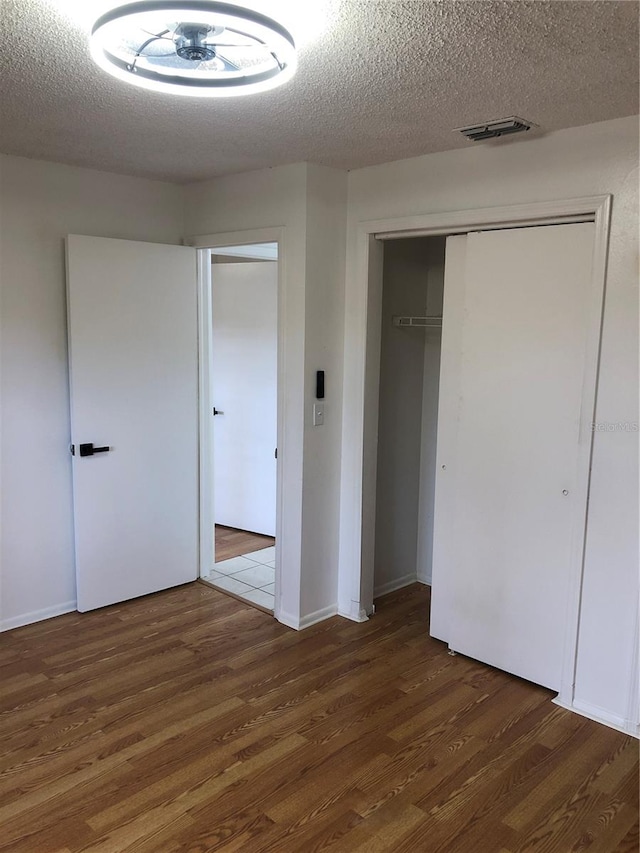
39	204
592	160
325	259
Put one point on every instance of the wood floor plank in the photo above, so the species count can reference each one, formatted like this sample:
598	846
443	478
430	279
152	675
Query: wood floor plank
187	722
631	841
294	772
564	781
382	828
231	542
209	835
172	810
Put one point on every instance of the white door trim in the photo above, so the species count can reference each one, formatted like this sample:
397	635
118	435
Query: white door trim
207	556
360	430
204	243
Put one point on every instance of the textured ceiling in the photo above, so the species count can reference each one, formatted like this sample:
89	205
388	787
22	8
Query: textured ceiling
384	80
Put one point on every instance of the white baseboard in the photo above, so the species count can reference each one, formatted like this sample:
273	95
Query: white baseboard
37	616
397	583
359	615
424	580
299	624
600	715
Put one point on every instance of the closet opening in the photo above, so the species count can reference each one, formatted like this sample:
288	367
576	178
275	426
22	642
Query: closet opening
471	441
410	343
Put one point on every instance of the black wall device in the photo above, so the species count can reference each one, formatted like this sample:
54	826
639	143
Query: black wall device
319	384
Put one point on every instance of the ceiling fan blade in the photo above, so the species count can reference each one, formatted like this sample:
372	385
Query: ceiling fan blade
228	44
152	56
279	64
228	65
254	39
157	35
139	51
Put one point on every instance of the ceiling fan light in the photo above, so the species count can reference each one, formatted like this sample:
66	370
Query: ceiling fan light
197	48
190	42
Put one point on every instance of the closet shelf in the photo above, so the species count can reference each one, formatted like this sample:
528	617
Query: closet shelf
417	322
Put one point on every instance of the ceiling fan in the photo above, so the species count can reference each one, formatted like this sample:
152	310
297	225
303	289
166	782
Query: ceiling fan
193	47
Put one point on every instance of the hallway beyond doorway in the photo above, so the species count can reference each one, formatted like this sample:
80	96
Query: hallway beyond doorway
231	542
245	566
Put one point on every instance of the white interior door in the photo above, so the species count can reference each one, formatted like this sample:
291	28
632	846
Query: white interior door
134	390
245	356
508	495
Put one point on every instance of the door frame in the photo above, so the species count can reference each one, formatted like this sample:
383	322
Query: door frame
203	245
361	381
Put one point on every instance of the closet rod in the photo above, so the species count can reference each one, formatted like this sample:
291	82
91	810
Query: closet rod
417	322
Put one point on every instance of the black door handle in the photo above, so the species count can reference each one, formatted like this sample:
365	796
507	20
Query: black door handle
217	411
89	449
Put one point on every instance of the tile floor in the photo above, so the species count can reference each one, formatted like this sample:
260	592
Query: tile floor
251	577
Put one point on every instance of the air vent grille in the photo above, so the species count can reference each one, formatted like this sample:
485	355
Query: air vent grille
495	129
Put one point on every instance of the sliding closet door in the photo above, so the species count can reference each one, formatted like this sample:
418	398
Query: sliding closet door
510	498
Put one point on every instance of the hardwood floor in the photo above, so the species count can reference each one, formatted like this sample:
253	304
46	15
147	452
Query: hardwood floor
234	543
186	722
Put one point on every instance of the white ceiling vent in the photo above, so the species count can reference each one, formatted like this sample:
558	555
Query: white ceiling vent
494	129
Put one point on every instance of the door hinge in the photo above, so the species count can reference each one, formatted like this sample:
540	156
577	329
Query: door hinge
275	453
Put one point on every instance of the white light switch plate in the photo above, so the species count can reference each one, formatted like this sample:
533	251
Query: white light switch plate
318	414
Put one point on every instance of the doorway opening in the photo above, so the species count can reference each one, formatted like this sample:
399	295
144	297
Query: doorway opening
242	320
